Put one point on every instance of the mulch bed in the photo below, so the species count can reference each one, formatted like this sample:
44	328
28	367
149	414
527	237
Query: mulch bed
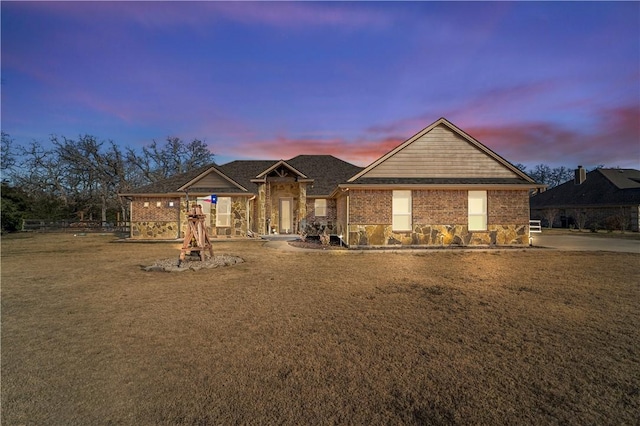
316	244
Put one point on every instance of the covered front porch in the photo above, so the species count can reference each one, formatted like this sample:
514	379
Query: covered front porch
281	204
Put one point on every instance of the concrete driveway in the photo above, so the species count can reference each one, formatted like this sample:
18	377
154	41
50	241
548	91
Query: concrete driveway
585	243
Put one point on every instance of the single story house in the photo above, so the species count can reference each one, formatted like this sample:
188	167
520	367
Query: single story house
439	187
600	199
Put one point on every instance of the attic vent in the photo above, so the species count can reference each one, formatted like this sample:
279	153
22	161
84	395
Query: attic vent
580	176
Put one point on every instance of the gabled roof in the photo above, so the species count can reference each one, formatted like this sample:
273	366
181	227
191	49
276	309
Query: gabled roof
325	172
441	151
212	178
170	184
284	164
602	187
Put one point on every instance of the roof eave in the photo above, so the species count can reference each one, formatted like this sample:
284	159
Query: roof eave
348	186
183	193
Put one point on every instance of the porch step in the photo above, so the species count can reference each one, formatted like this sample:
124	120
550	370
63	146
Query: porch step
280	237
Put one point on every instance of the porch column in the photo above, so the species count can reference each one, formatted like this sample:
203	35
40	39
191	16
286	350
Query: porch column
261	209
302	204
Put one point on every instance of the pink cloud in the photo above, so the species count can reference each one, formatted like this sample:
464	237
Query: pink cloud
359	153
197	14
293	14
615	140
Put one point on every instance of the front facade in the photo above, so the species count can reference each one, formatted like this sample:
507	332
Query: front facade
441	187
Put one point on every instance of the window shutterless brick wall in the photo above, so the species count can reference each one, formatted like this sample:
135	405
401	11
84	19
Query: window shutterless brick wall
372	207
506	207
440	207
153	213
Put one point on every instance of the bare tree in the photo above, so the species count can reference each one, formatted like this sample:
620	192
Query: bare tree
102	172
550	215
552	177
541	173
580	217
157	162
559	175
42	171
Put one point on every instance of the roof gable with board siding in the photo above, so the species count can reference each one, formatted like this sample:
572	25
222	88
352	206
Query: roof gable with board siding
212	178
441	150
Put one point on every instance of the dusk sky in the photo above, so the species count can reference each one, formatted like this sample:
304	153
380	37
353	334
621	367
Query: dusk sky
544	82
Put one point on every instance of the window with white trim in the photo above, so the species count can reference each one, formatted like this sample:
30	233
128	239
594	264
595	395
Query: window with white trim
477	211
401	211
223	212
320	207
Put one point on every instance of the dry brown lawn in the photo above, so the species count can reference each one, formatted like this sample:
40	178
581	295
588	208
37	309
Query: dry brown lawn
434	337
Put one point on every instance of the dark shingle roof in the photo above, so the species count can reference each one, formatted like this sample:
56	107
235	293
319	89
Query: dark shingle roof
170	184
326	171
242	171
623	178
608	187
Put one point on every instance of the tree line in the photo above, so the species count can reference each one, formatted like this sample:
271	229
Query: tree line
79	179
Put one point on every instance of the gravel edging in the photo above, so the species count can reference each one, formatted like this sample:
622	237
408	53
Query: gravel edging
171	265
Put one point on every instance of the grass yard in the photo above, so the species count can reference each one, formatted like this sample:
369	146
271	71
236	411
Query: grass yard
434	337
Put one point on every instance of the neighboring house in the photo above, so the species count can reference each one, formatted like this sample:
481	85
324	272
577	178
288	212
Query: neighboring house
440	187
600	199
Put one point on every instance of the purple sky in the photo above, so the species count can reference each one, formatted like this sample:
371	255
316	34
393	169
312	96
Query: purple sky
543	82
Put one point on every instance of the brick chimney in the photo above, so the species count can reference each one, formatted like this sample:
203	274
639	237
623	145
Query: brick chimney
580	175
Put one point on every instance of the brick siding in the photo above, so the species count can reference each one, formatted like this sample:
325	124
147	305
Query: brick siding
505	207
372	207
448	207
440	207
152	213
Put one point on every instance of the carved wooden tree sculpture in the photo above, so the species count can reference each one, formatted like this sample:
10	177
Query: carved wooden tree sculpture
196	238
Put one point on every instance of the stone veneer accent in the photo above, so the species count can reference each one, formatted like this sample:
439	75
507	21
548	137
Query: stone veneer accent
238	220
154	230
437	235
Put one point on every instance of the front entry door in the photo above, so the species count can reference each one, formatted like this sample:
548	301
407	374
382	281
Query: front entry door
286	215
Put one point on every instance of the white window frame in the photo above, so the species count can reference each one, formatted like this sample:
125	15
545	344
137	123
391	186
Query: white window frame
477	211
401	211
223	212
320	207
